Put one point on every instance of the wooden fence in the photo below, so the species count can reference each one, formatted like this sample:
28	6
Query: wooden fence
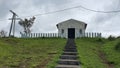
37	35
92	35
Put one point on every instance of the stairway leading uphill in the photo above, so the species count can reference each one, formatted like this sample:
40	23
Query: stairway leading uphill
69	58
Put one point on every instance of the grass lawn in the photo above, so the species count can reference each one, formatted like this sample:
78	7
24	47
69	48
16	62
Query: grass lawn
30	53
113	56
44	52
95	53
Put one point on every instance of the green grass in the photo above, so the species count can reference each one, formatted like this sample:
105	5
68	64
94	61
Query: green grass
88	53
113	56
90	50
44	52
30	53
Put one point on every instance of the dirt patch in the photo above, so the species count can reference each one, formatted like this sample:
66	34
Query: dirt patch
25	63
105	61
11	41
44	62
103	57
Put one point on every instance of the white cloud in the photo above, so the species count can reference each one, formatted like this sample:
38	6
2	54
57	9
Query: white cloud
97	22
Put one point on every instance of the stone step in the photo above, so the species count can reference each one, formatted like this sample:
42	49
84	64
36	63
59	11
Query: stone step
70	50
69	57
72	57
70	53
68	62
67	66
70	47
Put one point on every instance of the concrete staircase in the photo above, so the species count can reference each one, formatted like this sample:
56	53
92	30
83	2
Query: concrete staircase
69	58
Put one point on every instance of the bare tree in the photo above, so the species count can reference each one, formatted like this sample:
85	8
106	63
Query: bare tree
27	24
3	33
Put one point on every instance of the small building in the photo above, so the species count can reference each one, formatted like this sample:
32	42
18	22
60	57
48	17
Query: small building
71	28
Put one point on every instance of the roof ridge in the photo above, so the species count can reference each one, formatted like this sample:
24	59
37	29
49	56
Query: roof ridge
72	20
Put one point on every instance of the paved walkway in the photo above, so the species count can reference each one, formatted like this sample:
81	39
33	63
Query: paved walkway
69	58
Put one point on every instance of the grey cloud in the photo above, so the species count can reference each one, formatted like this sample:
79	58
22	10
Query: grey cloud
102	18
47	23
45	2
5	6
115	5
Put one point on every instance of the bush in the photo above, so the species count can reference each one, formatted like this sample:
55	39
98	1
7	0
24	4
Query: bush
111	38
111	62
118	37
117	47
100	41
3	33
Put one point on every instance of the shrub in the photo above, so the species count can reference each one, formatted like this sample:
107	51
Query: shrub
117	47
118	37
111	38
3	33
111	62
100	41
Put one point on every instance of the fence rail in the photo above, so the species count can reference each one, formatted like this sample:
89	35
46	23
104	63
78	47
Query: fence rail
92	35
36	35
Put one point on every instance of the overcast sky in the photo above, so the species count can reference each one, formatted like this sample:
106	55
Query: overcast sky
106	23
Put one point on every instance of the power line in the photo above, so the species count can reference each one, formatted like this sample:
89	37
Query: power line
3	19
114	11
53	11
80	6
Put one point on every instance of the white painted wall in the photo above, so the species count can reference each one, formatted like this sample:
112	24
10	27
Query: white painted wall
71	24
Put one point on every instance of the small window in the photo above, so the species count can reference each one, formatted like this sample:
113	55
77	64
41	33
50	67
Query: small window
62	31
80	31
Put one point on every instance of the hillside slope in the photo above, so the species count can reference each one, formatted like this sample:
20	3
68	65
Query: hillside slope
98	53
44	52
30	53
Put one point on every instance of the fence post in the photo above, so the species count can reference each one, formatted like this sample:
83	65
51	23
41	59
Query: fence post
86	34
83	35
99	35
29	35
92	35
89	34
46	35
53	35
50	34
35	35
42	35
38	34
57	34
95	34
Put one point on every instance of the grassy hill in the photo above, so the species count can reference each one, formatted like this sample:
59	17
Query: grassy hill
98	53
44	52
30	53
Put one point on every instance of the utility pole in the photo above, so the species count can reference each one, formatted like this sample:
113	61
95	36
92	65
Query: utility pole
12	27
